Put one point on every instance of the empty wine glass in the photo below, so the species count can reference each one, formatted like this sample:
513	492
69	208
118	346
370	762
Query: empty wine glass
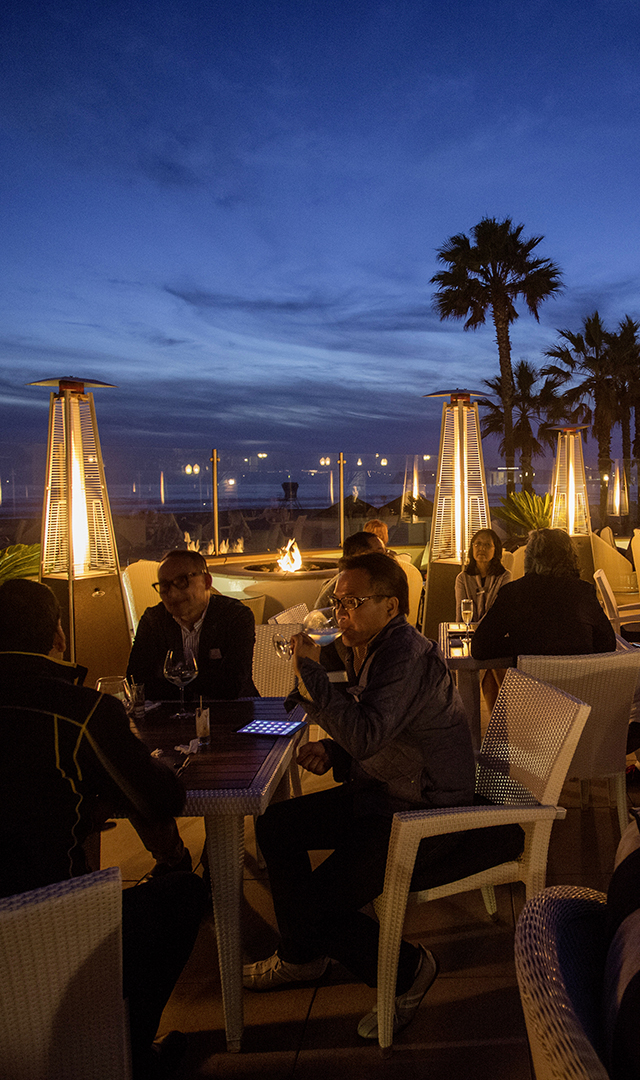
466	611
320	625
180	670
118	687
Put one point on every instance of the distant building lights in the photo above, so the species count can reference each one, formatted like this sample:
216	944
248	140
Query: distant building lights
262	455
383	461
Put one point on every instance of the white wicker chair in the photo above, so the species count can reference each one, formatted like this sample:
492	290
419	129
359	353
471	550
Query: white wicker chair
617	614
137	581
273	676
61	1008
522	764
607	682
556	949
296	614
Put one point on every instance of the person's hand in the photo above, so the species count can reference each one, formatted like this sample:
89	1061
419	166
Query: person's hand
313	757
304	648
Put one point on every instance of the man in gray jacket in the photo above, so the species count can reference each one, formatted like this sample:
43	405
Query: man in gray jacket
399	741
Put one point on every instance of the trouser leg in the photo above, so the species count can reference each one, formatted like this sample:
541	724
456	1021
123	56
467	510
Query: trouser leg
160	921
318	911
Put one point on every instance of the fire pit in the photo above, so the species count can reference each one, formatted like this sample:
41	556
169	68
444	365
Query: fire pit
283	582
290	562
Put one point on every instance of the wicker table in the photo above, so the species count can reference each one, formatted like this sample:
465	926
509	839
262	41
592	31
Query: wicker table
233	776
466	670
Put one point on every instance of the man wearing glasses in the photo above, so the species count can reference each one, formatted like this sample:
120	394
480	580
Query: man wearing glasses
399	741
217	630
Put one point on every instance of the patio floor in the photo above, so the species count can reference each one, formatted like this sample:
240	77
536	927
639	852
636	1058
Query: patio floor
470	1022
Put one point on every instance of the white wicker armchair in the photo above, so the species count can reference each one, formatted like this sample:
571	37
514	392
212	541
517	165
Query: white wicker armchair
607	682
61	1010
523	760
559	968
619	615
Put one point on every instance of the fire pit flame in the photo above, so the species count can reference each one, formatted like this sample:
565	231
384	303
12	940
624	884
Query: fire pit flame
291	559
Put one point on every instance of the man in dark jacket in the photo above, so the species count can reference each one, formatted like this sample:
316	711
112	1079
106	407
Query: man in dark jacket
71	760
400	741
217	630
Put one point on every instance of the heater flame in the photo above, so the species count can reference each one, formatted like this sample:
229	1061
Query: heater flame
291	559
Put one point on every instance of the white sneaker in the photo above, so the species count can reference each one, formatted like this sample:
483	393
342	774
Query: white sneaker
272	973
407	1003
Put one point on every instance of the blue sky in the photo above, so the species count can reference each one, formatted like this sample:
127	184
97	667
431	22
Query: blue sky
232	209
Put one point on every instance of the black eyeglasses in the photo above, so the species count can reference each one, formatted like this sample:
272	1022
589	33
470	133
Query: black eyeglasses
351	603
181	583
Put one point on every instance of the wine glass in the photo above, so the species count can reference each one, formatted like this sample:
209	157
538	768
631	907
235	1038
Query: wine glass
180	670
320	625
118	687
466	611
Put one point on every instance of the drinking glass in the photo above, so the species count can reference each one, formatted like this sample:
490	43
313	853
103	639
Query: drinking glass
320	625
466	611
118	687
180	670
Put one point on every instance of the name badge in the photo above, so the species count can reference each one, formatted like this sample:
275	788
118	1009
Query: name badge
215	654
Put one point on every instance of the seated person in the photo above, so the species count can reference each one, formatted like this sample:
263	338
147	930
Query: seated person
217	630
548	612
482	575
359	543
73	758
379	529
399	741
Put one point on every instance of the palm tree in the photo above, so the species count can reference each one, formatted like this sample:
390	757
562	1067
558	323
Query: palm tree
589	354
489	272
624	349
540	408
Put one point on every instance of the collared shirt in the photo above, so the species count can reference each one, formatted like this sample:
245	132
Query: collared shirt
191	637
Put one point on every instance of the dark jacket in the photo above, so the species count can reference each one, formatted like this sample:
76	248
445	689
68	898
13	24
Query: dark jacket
540	615
64	748
225	654
401	734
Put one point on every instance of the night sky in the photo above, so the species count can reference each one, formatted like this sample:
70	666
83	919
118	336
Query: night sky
232	209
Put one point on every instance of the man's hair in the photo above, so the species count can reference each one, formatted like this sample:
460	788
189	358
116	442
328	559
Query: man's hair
198	560
378	528
495	566
550	552
29	614
386	575
359	544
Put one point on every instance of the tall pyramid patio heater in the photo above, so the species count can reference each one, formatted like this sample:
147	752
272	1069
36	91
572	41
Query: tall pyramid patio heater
570	502
79	556
460	506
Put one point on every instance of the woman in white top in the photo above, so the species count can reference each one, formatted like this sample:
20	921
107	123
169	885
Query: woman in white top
483	575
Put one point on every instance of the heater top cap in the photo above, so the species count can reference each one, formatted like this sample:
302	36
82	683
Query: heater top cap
455	394
72	382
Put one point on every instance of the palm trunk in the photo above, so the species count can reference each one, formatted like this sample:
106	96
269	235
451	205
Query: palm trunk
501	324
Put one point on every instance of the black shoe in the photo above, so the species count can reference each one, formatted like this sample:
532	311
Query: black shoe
163	868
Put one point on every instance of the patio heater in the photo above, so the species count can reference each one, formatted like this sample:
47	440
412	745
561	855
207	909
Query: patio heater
79	558
570	506
618	492
460	506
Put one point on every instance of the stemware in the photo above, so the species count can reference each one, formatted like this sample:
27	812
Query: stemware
466	611
180	670
118	687
320	625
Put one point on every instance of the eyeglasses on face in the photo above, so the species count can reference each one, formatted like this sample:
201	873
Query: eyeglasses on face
181	583
351	603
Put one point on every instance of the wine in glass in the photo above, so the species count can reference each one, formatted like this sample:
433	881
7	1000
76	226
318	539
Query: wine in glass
180	670
466	611
320	625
